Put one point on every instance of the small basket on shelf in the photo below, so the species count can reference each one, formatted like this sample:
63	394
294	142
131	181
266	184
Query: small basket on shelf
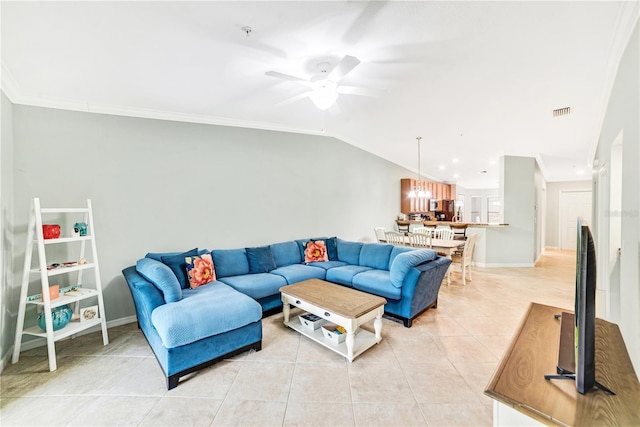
334	333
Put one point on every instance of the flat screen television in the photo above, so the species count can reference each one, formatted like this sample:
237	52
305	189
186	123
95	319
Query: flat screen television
577	347
585	309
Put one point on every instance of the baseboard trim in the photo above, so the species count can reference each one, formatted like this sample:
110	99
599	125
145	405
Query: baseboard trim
41	342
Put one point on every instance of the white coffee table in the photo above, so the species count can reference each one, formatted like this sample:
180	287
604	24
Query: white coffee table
343	306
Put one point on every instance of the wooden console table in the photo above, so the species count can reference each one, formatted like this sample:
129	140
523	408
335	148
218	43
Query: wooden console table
519	382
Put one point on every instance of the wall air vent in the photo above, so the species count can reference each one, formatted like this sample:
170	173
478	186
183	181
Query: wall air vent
562	112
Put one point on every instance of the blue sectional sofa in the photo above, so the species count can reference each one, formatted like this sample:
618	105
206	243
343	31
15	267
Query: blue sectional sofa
189	329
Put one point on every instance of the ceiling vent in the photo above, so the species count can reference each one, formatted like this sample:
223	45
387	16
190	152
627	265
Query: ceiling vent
562	112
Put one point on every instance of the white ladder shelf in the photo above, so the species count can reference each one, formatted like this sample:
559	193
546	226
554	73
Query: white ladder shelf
35	236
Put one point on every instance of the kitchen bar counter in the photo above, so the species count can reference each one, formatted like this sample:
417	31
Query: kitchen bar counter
406	223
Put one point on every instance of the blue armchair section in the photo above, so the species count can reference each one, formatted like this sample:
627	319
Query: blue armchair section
188	329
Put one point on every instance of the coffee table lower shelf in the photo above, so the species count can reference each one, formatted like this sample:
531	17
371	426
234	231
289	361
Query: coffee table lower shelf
363	339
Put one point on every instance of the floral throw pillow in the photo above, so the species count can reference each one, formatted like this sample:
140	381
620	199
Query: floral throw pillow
315	252
200	270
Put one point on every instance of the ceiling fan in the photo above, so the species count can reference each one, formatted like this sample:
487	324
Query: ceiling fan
325	85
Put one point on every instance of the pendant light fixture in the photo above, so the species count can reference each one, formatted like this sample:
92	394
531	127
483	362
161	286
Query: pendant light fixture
418	190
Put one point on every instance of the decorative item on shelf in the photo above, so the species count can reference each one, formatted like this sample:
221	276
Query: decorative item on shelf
60	317
51	231
88	313
418	190
80	228
54	292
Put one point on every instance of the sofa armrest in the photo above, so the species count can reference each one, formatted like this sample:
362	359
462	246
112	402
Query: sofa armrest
404	262
423	292
146	296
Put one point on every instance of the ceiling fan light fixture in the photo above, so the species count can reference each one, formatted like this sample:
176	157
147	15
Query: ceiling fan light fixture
324	94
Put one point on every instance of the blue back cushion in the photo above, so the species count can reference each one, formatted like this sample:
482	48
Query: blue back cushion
162	278
260	259
349	252
375	255
178	265
230	262
286	253
404	262
397	250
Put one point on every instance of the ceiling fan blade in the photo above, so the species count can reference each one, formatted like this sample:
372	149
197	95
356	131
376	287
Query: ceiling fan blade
361	24
352	90
293	99
283	76
343	68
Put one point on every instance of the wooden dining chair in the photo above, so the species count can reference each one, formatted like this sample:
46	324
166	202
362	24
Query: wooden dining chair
420	240
443	233
422	230
380	234
466	258
395	238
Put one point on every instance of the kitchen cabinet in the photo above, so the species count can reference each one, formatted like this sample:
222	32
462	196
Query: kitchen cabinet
439	191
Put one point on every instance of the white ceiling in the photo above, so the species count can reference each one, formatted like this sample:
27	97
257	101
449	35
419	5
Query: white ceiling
476	80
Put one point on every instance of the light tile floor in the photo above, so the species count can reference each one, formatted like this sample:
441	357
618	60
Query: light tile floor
432	374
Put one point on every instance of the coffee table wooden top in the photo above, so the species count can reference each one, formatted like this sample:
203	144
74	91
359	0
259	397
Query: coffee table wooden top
346	302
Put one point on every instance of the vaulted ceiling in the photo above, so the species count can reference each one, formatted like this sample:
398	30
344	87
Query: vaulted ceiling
476	80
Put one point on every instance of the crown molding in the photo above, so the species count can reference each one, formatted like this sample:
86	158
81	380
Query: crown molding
11	88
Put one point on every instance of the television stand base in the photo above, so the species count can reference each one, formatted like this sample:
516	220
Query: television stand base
573	377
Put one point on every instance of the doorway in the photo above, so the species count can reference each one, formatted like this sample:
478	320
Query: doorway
573	204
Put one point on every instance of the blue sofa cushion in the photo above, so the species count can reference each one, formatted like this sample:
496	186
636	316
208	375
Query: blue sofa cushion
258	285
162	278
230	262
405	261
349	252
298	272
177	264
397	250
377	282
158	255
344	275
260	259
327	265
375	255
286	253
217	309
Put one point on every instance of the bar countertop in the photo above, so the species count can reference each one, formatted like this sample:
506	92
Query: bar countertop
450	223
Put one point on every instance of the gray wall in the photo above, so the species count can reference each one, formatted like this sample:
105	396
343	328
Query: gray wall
162	186
7	310
552	231
518	196
540	207
621	118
